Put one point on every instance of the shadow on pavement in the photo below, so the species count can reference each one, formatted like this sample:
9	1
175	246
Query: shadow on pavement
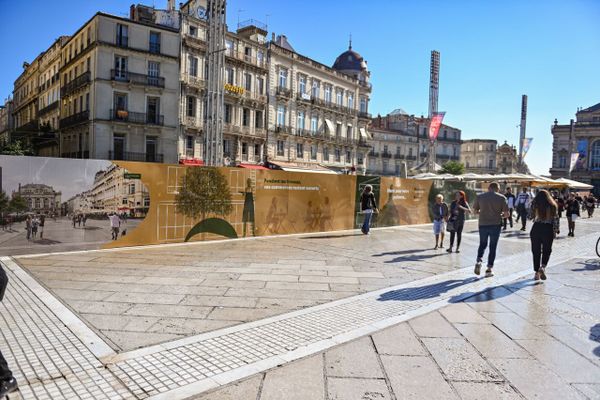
493	294
415	257
46	241
588	265
332	236
400	252
595	337
424	292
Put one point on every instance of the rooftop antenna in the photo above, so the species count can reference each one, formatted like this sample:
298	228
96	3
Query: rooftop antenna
239	12
350	42
267	20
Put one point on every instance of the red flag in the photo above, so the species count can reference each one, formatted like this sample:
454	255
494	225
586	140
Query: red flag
434	125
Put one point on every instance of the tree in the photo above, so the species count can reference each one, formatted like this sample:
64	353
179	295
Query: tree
18	204
204	191
16	148
3	202
453	168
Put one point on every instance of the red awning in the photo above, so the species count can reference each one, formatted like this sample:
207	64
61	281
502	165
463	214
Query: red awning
191	161
252	166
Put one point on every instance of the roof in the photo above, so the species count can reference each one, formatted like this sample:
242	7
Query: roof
349	61
591	109
398	111
282	41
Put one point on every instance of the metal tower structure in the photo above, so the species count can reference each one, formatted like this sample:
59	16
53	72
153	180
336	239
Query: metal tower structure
213	133
523	126
434	86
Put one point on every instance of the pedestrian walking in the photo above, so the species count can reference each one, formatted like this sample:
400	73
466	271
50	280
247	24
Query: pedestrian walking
74	217
590	204
544	211
491	207
41	225
115	224
8	383
572	212
84	219
439	209
522	204
368	206
28	227
456	222
510	202
35	222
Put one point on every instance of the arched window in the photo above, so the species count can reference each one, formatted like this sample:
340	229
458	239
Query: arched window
595	156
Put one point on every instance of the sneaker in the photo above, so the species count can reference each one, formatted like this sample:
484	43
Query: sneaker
8	386
457	250
488	272
477	270
449	250
542	272
536	276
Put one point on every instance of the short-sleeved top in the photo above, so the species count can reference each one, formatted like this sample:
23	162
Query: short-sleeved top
490	205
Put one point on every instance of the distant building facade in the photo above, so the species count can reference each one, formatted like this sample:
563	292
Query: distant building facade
40	199
479	155
6	121
582	136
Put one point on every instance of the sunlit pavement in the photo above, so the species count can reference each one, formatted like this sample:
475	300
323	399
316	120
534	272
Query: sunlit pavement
205	315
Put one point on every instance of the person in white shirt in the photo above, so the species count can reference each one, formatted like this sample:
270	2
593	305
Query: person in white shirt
510	202
115	224
522	205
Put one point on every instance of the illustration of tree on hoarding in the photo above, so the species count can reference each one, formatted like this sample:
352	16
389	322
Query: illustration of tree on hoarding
205	191
17	204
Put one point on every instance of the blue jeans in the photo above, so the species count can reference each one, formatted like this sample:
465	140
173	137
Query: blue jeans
491	233
367	222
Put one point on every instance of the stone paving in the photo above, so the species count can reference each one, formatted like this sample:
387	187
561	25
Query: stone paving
188	366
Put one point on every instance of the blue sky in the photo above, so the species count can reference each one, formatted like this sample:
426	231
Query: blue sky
491	53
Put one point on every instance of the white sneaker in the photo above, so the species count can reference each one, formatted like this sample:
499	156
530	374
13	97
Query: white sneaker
477	268
488	272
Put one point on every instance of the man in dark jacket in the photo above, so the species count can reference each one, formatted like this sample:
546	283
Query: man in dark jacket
8	383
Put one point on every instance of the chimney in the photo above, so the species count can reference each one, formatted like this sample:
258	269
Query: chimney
170	5
132	12
273	37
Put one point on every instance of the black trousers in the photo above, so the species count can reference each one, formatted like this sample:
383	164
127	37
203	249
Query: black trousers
458	228
5	373
542	236
509	219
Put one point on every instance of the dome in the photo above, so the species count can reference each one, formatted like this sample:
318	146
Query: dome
349	61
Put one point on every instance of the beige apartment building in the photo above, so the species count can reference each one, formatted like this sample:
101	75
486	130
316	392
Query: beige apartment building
245	82
479	155
25	100
317	115
6	121
582	136
119	91
400	143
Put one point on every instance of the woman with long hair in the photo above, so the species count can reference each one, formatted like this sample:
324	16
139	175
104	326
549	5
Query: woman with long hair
572	212
458	208
544	210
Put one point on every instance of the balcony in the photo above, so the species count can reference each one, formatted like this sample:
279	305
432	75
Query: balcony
192	122
75	84
448	139
373	154
194	41
137	79
424	154
74	119
283	130
283	92
194	81
31	126
261	98
364	115
131	156
411	158
304	97
386	154
48	108
398	156
238	55
136	118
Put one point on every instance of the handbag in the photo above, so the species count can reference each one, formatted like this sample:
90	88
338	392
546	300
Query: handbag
3	282
450	225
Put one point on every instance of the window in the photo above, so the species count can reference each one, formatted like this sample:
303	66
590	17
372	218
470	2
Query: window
258	119
151	149
87	102
193	31
490	164
480	163
301	84
315	89
338	129
248	81
280	148
299	150
191	106
228	47
89	36
88	64
244	148
120	68
120	104
385	148
314	124
328	93
227	113
260	85
339	98
153	72
326	154
189	145
595	156
260	57
118	147
562	161
283	78
153	110
398	150
363	104
281	115
300	120
246	117
348	156
349	132
257	150
230	75
338	155
227	148
480	147
122	35
360	157
313	152
192	65
350	101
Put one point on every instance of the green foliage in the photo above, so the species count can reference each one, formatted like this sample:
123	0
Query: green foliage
16	148
453	168
205	191
17	204
217	226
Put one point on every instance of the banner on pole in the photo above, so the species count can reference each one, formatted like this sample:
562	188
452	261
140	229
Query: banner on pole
526	145
574	158
434	125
